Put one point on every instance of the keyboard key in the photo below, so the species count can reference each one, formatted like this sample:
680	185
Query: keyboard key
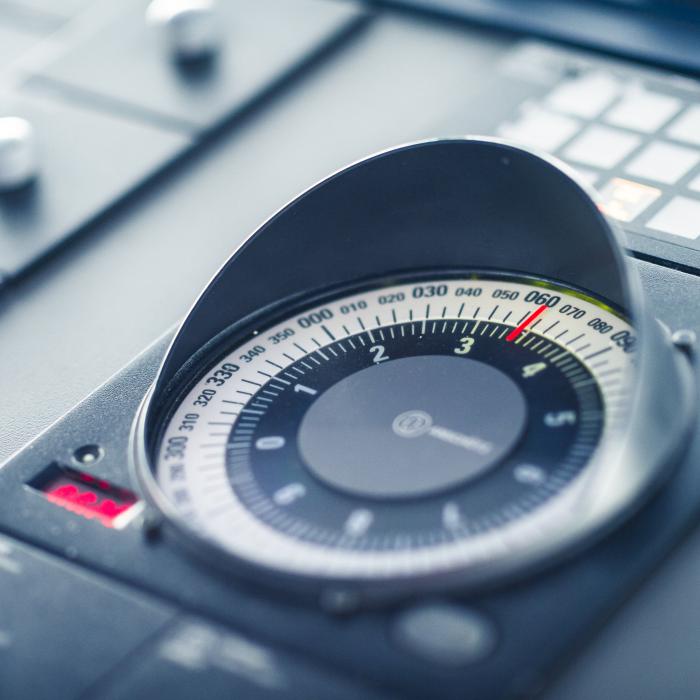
664	162
680	217
625	200
643	110
601	146
540	128
694	184
687	126
590	177
586	96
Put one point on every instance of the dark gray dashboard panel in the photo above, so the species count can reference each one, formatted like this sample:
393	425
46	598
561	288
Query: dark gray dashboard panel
71	626
87	161
195	659
583	591
88	637
649	649
625	29
263	41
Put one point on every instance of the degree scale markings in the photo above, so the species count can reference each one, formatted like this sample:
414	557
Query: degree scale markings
391	321
512	335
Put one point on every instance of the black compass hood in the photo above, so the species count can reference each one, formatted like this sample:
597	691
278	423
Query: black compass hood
436	204
444	207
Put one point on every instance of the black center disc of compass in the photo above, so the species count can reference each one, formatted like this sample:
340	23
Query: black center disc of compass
394	425
412	427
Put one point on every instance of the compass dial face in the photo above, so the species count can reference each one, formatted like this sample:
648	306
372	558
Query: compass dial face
397	430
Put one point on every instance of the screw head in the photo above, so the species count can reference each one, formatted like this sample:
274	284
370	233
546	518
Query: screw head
87	455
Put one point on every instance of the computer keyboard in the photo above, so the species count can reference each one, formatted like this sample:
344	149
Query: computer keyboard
632	133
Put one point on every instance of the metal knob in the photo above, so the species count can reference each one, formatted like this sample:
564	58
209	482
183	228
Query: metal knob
18	157
189	27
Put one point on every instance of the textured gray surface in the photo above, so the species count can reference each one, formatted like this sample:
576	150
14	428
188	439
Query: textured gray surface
13	43
57	9
127	62
86	161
